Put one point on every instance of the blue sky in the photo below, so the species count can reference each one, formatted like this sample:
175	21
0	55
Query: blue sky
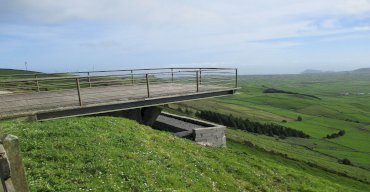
258	37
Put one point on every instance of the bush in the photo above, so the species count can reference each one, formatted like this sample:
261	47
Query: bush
354	121
299	118
345	161
282	137
268	129
187	111
335	135
284	121
341	132
179	109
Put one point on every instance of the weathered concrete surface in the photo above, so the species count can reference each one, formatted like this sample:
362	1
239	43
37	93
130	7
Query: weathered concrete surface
202	132
146	115
150	114
177	123
133	114
24	104
17	172
213	136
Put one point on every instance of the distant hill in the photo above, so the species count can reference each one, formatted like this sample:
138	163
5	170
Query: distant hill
312	71
315	71
15	71
362	70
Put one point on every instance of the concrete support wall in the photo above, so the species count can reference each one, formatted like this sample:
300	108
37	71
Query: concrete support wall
150	114
146	115
12	174
213	136
133	114
208	134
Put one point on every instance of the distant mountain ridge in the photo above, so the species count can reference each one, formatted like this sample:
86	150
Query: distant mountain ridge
312	71
315	71
362	70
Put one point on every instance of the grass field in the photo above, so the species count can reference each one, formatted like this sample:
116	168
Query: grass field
344	104
96	154
115	154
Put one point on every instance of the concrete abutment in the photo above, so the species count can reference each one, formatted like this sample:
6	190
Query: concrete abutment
145	115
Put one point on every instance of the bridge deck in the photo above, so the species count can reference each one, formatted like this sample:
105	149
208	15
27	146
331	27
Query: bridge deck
51	96
35	102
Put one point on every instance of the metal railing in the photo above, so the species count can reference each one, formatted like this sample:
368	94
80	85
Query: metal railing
93	87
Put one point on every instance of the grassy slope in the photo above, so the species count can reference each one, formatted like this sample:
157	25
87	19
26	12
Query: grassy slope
112	154
14	72
6	74
320	117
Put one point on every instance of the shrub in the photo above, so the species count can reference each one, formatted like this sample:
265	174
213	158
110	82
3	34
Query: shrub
341	132
345	161
268	129
179	109
282	137
284	121
335	135
187	111
299	118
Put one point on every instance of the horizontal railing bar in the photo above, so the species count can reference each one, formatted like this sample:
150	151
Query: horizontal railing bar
124	70
72	77
60	93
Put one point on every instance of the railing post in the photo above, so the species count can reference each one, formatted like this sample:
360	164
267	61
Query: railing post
37	84
172	75
200	76
89	79
132	77
147	85
236	77
79	91
12	172
197	74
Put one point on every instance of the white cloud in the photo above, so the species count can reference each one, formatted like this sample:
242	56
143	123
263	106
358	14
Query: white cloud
50	11
185	28
362	28
101	44
256	19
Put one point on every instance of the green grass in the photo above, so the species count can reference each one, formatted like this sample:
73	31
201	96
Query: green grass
15	72
333	112
305	150
114	154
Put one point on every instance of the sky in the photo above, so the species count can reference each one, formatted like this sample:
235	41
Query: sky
258	37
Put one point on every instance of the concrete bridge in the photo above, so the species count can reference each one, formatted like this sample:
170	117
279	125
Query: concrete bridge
58	95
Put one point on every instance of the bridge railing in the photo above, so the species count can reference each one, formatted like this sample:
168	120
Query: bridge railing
112	86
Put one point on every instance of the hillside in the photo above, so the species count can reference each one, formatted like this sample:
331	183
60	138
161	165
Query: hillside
343	105
362	70
114	154
314	71
15	71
